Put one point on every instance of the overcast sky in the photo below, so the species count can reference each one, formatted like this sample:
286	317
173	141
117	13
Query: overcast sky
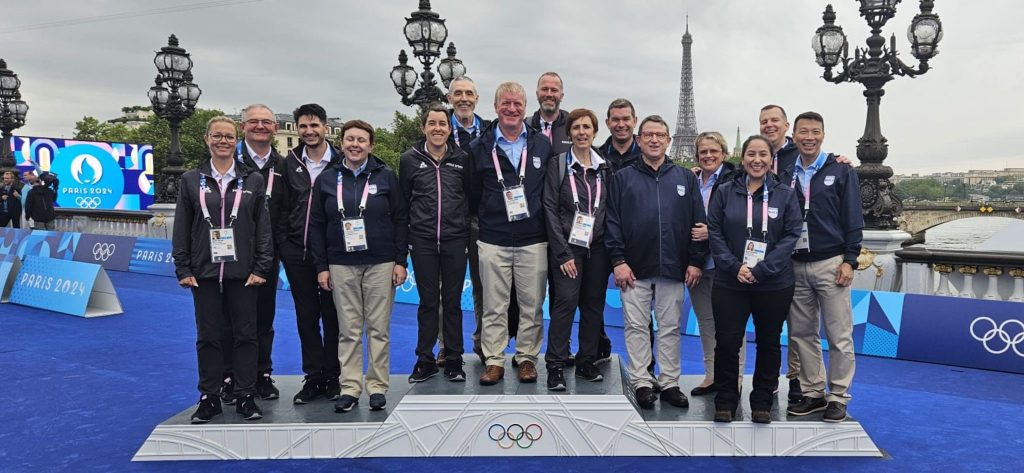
78	58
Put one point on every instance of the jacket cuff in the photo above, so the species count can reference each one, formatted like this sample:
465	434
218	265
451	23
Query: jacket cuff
322	267
852	262
758	273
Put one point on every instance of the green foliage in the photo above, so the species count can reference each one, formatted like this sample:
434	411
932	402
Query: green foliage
156	131
927	189
391	143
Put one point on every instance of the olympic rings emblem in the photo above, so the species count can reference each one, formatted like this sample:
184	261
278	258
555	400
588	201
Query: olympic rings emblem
103	251
515	434
87	202
1001	332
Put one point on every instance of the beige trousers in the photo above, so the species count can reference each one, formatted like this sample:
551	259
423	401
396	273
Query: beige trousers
498	264
700	297
817	297
636	314
363	295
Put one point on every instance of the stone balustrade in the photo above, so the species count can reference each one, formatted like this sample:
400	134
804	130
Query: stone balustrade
990	275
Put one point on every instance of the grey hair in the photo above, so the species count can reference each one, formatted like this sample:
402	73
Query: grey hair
245	111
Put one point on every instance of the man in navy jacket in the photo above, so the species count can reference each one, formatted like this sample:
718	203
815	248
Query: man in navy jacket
825	258
652	208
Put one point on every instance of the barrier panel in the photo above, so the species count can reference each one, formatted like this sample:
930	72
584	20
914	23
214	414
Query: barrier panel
70	287
111	252
10	265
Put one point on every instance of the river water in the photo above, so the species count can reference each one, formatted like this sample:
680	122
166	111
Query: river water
979	233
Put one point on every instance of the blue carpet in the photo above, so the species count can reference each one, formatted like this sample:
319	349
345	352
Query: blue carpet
82	395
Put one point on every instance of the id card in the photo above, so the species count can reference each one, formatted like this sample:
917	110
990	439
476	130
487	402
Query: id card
222	245
582	230
355	234
515	203
753	252
804	242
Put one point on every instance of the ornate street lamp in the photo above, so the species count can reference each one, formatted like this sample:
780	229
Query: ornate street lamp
12	113
174	99
873	67
426	33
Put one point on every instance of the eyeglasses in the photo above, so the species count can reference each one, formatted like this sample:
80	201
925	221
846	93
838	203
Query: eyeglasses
255	122
654	134
218	137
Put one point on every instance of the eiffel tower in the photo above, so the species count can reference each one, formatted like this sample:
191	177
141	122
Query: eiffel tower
686	124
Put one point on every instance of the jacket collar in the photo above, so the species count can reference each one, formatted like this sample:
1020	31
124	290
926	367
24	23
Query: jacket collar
373	164
206	169
559	121
246	158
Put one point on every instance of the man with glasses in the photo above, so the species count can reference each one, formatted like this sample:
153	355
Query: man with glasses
652	209
313	305
256	152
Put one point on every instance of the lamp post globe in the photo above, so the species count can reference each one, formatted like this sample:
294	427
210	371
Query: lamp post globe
425	32
173	97
13	111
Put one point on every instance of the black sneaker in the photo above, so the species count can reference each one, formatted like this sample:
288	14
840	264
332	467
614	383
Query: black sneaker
265	387
571	361
835	412
761	417
310	391
453	371
808	405
588	372
675	397
645	397
209	407
227	392
248	409
378	401
556	379
345	403
795	394
654	382
332	389
422	372
603	356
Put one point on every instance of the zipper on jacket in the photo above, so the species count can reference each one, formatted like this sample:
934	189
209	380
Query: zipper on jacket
590	206
657	191
437	172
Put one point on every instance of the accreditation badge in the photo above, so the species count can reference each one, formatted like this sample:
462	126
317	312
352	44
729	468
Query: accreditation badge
515	203
753	252
582	230
354	230
222	245
804	242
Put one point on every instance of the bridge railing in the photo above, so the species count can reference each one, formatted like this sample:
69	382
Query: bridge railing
991	275
109	222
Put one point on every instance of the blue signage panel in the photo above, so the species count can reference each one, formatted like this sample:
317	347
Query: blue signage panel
11	238
48	244
152	256
111	252
53	284
10	265
964	332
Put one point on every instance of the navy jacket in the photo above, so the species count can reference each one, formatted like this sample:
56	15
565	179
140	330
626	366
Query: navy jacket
560	140
785	157
617	160
487	195
296	199
275	195
386	216
650	215
835	221
460	137
727	230
191	235
438	194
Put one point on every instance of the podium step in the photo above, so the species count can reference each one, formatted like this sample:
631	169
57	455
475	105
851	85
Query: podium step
438	418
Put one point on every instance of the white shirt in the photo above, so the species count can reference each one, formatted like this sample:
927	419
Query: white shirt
261	161
316	168
222	178
595	159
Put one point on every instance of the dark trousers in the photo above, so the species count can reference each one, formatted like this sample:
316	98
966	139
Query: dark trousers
478	295
587	292
14	220
217	309
440	272
313	307
732	308
266	307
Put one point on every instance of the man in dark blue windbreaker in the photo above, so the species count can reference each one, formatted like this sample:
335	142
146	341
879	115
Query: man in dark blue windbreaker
652	208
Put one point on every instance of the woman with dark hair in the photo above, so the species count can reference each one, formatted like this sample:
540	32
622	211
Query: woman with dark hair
222	250
358	227
575	197
435	179
754	222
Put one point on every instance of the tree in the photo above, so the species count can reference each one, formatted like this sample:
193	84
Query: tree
391	143
920	189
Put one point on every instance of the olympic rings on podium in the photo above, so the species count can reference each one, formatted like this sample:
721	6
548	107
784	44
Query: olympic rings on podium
515	434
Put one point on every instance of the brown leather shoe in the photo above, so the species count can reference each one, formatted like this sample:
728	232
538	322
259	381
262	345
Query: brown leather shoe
493	374
527	372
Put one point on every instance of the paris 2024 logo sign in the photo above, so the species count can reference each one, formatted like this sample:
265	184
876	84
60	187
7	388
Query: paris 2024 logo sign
90	178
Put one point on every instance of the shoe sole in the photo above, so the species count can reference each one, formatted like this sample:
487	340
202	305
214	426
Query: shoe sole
254	417
527	380
812	411
270	397
457	379
595	379
603	360
376	408
203	421
341	410
300	401
560	387
420	380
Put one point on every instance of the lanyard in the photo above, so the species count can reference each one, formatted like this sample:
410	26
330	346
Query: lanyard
764	210
497	167
362	201
234	207
576	196
270	180
807	195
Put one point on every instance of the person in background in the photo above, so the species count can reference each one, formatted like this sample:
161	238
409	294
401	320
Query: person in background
39	205
10	200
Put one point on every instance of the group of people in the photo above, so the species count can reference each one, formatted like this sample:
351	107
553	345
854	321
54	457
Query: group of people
33	198
534	208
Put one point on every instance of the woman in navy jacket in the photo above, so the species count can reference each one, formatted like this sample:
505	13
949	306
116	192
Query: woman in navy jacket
754	222
357	234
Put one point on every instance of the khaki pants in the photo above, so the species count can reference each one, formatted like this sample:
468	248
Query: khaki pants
700	297
363	295
636	312
498	264
817	293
